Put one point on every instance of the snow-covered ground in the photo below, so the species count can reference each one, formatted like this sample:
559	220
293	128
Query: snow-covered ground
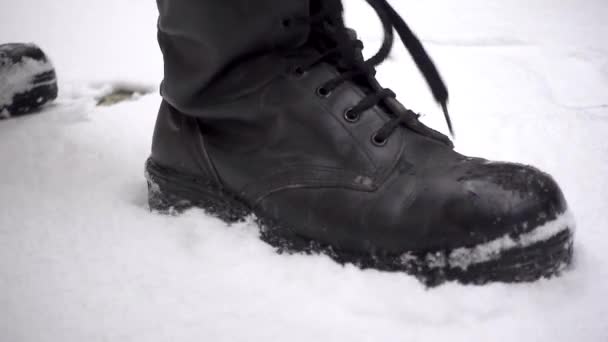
82	258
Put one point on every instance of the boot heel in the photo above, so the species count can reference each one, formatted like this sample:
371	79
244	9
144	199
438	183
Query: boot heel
165	203
170	192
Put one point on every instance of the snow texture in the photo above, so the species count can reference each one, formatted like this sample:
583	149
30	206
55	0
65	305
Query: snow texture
82	258
18	78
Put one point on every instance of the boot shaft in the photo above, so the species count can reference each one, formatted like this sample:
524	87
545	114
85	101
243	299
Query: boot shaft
200	39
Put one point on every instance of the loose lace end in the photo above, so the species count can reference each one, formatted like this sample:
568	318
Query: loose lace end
446	114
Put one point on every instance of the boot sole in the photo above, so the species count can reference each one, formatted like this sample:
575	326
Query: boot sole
545	252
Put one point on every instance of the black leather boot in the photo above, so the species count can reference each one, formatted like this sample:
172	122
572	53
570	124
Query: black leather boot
27	79
280	117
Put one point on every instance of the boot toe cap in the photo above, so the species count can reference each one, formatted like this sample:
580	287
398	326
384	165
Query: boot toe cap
470	204
495	199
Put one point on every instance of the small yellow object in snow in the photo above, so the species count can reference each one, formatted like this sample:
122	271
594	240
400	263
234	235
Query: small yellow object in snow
117	96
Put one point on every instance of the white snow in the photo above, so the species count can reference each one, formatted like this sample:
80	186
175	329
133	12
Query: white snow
4	114
17	78
82	258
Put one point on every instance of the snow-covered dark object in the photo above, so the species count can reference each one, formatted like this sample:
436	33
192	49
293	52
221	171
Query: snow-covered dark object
27	79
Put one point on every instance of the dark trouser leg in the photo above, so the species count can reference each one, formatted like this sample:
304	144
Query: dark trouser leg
201	38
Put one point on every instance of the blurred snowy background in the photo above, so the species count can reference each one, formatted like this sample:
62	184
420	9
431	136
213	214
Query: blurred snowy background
82	259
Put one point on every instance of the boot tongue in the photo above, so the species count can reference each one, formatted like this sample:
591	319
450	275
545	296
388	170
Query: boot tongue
322	40
320	37
317	6
323	36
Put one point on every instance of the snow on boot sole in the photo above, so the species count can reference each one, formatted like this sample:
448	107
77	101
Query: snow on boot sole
540	253
27	80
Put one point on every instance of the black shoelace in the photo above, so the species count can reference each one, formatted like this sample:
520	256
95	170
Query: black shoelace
344	50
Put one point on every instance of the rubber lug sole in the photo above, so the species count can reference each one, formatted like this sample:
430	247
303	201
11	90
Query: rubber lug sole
170	192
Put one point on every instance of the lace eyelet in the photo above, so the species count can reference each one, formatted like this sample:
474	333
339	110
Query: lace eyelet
377	141
298	72
350	116
286	23
323	92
